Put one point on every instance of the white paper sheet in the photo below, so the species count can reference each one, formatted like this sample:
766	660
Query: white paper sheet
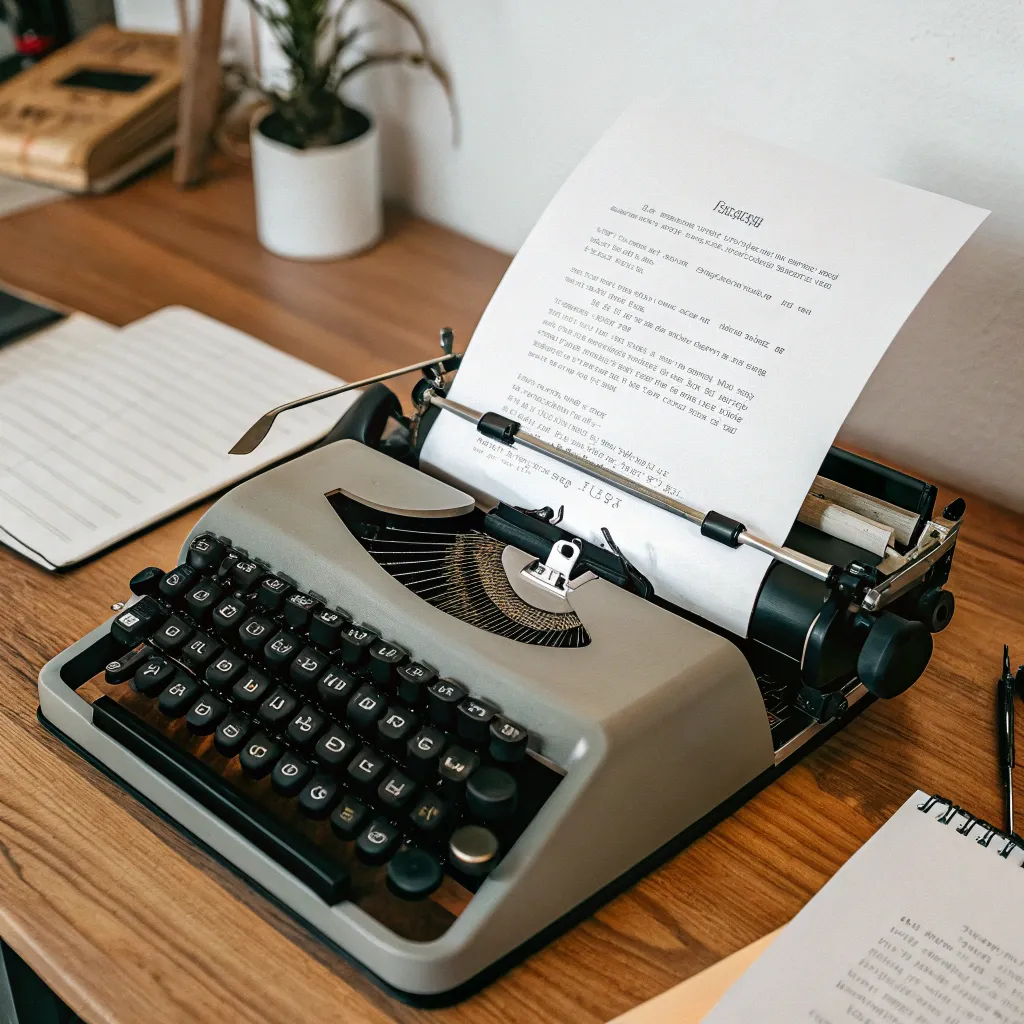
923	924
698	310
106	431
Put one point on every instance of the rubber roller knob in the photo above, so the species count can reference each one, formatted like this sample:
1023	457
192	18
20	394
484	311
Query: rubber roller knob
894	655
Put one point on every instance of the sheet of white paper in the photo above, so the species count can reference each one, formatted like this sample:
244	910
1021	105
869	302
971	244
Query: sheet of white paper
104	432
17	195
698	310
922	924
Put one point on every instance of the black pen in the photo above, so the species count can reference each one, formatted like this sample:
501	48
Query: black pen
1004	712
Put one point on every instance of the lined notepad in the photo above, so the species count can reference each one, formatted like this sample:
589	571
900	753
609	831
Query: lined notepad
104	431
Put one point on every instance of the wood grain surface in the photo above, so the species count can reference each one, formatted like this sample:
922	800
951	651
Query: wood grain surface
128	921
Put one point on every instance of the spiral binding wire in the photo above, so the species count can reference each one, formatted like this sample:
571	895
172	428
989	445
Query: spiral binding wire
953	810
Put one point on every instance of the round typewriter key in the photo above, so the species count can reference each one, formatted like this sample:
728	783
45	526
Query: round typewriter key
443	699
178	695
206	553
423	752
413	680
356	641
492	794
473	717
365	708
153	675
146	581
508	741
414	874
259	755
205	714
384	660
121	669
317	799
348	817
377	841
290	774
231	734
473	849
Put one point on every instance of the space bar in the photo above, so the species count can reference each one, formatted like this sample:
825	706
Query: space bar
327	877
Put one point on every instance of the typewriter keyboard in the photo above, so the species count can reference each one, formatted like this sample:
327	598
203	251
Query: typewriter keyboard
327	745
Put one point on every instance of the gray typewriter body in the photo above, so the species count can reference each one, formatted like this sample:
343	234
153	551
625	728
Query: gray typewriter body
655	725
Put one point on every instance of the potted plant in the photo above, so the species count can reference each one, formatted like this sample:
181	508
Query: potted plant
315	158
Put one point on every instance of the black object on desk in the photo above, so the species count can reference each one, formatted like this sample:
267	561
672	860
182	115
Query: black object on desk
19	317
1004	719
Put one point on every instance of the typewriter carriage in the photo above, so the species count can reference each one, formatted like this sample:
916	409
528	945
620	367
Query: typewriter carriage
870	622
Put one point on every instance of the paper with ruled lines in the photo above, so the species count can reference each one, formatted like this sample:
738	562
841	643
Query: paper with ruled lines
922	926
104	432
697	311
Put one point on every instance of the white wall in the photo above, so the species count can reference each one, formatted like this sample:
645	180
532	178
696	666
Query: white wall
930	92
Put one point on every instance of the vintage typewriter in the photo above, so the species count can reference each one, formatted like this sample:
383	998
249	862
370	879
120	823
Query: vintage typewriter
440	733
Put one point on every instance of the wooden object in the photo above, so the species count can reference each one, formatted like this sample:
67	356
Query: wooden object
200	91
66	122
899	520
129	921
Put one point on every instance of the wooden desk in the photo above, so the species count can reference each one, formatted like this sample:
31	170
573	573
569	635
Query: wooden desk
128	922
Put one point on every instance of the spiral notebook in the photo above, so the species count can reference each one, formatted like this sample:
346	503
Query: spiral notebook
924	924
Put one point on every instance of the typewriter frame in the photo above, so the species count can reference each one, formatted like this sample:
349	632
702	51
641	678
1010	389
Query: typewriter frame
451	967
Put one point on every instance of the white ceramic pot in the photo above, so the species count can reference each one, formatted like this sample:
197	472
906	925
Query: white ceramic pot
317	204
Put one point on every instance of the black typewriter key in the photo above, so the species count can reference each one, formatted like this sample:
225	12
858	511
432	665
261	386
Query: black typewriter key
299	608
251	690
271	592
245	574
443	699
474	717
146	581
394	730
413	874
151	677
334	748
348	817
290	774
365	707
122	669
366	769
430	815
228	614
492	794
307	668
508	741
473	850
179	695
396	790
455	769
423	752
378	841
280	650
204	716
356	642
318	796
304	728
334	689
259	754
202	599
137	622
325	628
255	632
413	680
384	661
200	650
172	634
224	670
231	734
278	707
178	582
205	553
228	562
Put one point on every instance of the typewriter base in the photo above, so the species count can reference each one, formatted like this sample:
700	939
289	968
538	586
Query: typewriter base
548	934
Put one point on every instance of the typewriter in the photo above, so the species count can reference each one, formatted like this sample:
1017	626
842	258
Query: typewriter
440	733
